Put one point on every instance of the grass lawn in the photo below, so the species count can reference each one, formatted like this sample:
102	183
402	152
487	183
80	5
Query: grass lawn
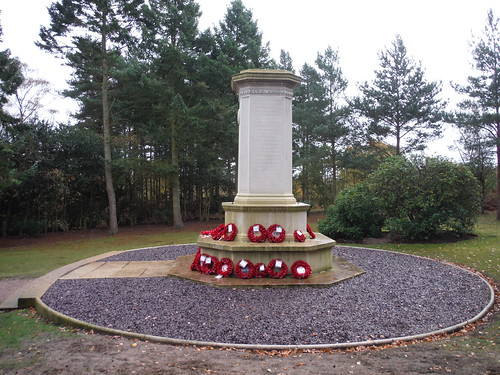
34	260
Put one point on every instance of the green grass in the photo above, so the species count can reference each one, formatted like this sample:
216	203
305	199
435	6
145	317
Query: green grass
480	253
17	328
36	260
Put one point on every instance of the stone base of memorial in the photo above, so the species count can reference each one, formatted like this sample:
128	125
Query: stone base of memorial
316	252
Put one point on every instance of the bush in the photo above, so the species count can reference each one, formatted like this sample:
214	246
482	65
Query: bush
355	215
417	199
423	197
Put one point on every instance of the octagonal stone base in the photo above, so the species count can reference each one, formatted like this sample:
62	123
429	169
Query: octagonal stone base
316	252
341	270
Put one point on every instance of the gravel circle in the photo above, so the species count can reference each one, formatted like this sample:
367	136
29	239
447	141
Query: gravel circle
399	295
170	252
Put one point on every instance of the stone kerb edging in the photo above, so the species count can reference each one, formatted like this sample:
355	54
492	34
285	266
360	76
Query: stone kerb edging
59	318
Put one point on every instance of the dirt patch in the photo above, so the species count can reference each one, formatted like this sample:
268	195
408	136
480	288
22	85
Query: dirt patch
98	354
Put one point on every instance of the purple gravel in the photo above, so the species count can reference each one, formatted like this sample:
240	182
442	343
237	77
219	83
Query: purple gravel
399	295
152	253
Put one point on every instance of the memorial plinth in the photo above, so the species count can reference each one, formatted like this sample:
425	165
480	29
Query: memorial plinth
265	194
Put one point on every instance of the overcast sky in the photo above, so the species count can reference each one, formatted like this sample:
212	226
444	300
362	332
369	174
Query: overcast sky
435	32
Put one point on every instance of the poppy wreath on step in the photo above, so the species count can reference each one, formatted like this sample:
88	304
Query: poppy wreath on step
209	265
244	269
230	232
195	266
218	232
301	269
299	236
260	270
276	233
277	269
311	233
206	233
225	267
251	233
201	260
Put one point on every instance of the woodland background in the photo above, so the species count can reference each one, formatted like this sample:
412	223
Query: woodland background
155	137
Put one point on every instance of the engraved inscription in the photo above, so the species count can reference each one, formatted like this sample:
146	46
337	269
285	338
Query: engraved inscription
257	91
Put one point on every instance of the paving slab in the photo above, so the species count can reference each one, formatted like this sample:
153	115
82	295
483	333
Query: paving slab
104	270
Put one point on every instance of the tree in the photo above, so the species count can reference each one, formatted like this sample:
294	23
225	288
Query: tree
481	111
27	100
334	131
308	115
240	41
178	116
286	62
170	38
11	78
400	103
106	26
476	152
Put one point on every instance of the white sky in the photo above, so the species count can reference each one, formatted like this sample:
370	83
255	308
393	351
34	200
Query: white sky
435	32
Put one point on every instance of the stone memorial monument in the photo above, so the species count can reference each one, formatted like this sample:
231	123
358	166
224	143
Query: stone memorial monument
264	196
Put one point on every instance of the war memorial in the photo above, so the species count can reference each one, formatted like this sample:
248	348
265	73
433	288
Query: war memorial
263	279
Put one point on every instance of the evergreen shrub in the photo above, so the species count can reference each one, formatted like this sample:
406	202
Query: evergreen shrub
415	199
355	215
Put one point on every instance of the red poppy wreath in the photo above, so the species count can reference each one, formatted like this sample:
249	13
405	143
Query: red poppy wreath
301	269
299	236
244	269
218	232
260	270
277	269
276	233
230	232
311	233
195	266
225	267
260	229
209	265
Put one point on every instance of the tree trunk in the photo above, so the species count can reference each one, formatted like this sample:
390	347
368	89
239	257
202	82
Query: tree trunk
334	172
498	171
398	141
108	175
176	189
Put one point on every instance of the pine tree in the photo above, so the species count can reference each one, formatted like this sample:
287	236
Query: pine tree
400	103
105	26
334	131
240	40
481	111
308	114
